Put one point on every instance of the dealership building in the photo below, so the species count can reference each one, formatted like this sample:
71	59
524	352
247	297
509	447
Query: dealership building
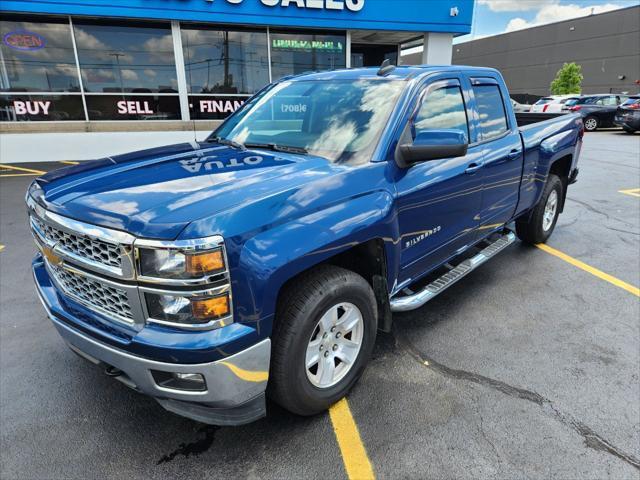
77	65
605	45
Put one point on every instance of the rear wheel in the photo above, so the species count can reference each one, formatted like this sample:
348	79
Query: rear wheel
591	124
539	225
629	130
323	337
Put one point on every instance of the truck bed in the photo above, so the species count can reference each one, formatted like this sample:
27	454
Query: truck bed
540	126
528	118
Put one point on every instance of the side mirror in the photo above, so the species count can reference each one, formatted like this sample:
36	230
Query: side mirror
433	145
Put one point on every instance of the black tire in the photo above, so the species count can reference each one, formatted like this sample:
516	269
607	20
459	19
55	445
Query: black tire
630	131
591	124
530	228
298	312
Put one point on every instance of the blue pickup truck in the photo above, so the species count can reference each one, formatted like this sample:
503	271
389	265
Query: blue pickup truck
263	261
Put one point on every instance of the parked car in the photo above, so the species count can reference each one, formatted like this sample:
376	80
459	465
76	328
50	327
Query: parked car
552	104
628	115
264	259
520	107
597	111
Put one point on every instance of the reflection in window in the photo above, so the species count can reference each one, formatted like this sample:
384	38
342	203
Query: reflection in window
493	118
293	53
116	58
37	57
338	120
442	109
223	61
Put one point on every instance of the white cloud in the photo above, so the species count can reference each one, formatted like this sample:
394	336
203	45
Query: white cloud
515	5
557	13
128	74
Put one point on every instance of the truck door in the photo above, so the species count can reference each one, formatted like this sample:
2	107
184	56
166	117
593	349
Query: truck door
501	145
438	200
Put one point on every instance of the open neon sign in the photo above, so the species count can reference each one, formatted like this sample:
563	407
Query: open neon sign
23	40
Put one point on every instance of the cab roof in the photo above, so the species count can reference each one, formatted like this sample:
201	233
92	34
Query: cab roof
402	72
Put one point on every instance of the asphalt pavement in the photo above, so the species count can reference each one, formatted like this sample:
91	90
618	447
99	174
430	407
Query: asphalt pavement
527	368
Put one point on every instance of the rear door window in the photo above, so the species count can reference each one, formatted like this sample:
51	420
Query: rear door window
493	117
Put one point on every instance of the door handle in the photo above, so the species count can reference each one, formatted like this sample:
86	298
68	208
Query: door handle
513	154
474	167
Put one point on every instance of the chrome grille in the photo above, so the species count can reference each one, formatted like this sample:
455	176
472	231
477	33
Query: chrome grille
94	294
83	246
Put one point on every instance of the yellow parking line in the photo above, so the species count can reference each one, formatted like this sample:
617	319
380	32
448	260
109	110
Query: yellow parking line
635	192
354	455
593	271
69	162
3	175
21	169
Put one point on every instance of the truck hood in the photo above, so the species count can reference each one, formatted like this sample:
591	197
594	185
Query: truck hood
156	193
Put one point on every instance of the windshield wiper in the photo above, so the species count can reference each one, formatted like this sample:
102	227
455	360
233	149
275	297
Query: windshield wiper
278	148
227	141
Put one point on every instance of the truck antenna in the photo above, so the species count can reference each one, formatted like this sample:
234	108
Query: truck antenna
386	68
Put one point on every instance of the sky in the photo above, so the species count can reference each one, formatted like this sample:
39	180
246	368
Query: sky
492	17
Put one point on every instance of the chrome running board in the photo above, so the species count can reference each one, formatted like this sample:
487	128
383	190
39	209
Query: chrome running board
439	285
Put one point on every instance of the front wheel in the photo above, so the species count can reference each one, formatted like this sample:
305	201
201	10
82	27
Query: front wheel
538	226
629	130
591	124
324	333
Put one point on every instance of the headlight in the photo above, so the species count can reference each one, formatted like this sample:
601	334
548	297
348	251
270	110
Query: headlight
185	310
176	264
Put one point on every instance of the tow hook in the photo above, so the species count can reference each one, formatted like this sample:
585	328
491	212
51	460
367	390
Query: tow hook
112	371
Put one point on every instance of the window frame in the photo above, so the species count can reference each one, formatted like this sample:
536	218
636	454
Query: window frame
433	87
488	81
430	87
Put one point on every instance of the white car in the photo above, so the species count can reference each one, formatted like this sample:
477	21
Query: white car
520	107
551	104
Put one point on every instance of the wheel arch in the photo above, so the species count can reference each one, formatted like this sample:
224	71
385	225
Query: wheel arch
562	168
369	260
357	234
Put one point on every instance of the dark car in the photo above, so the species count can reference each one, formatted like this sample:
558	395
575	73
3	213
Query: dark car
598	111
628	115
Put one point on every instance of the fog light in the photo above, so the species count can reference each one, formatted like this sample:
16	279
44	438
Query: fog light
193	382
178	310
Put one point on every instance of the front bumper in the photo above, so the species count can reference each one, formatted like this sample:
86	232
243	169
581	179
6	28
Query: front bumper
235	385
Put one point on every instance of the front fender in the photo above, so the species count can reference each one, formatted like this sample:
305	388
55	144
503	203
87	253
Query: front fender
272	257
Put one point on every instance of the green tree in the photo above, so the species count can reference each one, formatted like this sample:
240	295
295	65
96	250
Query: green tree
568	80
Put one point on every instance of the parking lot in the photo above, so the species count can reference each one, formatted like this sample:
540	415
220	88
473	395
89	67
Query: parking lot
527	368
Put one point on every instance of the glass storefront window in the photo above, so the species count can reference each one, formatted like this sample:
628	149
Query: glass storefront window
225	61
124	58
293	53
37	56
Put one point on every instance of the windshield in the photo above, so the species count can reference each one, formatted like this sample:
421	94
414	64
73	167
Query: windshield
544	101
338	120
632	100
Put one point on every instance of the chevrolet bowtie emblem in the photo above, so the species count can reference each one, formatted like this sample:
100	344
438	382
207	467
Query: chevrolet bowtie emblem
51	256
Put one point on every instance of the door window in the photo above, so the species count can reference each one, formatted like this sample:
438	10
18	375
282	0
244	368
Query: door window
493	118
442	109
